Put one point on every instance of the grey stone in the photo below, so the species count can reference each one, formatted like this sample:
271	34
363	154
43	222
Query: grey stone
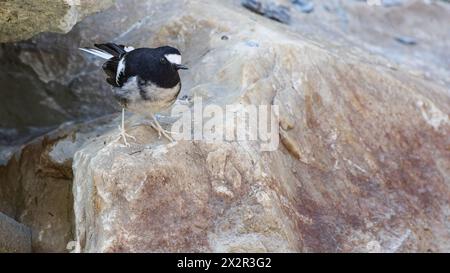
304	5
269	9
14	237
406	40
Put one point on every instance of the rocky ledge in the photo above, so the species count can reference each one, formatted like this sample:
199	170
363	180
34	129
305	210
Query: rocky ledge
22	19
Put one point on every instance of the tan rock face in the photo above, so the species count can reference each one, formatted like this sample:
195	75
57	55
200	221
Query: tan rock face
36	188
20	20
363	163
220	203
28	182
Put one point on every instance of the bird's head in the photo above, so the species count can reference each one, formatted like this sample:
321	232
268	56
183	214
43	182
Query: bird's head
171	56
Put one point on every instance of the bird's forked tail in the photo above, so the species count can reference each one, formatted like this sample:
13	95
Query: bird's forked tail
108	50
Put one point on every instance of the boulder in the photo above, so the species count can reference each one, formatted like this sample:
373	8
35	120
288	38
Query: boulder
20	20
362	166
55	82
36	187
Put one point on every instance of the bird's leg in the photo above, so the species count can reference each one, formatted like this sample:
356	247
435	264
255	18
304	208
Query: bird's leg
155	125
123	135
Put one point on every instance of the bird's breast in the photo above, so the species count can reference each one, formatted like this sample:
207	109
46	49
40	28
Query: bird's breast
152	98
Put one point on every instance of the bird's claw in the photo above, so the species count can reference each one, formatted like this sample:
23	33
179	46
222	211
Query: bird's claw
161	131
123	135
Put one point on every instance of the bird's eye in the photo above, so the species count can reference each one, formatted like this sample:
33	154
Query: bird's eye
163	60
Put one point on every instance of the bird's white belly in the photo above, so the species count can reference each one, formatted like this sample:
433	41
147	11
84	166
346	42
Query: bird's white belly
147	107
156	98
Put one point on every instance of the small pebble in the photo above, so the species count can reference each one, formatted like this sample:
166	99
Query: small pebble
278	13
251	44
270	10
406	40
392	3
253	5
304	5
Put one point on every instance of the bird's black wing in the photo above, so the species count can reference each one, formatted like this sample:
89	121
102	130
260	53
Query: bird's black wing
111	66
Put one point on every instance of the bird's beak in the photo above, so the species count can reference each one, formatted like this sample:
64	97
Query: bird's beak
180	66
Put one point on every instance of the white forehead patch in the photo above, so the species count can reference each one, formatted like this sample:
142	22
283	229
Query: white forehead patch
128	48
173	58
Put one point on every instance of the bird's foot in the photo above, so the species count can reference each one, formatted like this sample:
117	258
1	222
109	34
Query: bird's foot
123	136
161	131
157	127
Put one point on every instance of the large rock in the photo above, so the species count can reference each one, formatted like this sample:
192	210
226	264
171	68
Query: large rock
363	163
378	30
36	189
21	19
14	237
43	74
48	75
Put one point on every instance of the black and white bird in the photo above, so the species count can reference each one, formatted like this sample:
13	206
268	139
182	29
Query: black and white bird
144	80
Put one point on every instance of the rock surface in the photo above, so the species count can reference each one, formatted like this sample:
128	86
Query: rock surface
374	29
14	237
363	166
50	70
36	185
364	159
21	19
